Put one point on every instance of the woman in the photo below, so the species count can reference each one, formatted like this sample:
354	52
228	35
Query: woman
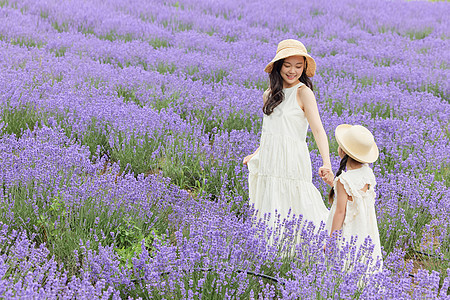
280	178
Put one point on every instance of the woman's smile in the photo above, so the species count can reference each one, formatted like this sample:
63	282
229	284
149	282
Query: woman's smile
292	70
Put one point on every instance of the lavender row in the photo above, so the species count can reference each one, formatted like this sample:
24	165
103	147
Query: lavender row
414	108
190	96
180	156
205	241
396	61
368	107
391	219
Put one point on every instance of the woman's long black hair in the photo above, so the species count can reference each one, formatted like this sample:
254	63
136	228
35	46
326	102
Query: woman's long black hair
276	95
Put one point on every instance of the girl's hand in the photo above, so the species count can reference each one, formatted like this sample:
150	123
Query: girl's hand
247	158
327	175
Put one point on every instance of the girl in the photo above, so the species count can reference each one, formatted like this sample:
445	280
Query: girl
353	193
280	176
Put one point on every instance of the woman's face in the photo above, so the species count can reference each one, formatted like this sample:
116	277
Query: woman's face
291	70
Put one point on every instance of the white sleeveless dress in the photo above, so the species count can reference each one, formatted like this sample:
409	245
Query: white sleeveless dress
280	175
360	218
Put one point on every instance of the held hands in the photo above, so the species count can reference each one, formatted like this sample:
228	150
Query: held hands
327	175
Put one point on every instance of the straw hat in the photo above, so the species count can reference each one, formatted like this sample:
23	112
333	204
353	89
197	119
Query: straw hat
357	142
292	47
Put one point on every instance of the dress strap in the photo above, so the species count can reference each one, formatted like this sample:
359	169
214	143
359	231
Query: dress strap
299	84
296	86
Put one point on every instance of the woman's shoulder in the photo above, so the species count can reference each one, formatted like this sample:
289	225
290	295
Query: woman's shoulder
305	96
304	90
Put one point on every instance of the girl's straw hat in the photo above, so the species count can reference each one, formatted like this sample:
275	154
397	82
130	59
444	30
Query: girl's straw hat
357	142
292	47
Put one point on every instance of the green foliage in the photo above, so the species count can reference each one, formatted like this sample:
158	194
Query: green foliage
85	29
337	108
25	41
445	245
176	4
63	27
129	243
384	28
164	68
113	36
216	76
180	26
419	34
166	101
95	82
137	154
191	70
365	81
315	12
44	14
128	95
436	90
230	38
60	51
283	28
4	3
260	84
441	173
18	119
240	120
157	43
187	170
382	62
405	228
381	110
97	137
61	225
147	17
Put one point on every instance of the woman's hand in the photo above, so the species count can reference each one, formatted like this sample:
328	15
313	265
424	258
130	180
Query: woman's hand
247	158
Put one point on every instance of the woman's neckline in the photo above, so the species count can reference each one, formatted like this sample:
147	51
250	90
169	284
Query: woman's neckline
292	86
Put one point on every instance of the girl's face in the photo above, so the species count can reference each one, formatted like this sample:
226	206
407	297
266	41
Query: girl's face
291	70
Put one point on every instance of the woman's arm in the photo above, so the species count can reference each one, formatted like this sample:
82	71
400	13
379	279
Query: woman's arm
307	102
341	207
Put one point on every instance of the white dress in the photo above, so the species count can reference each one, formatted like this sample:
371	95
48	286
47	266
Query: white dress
360	218
280	175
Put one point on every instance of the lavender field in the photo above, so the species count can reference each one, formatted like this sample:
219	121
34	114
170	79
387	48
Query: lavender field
124	125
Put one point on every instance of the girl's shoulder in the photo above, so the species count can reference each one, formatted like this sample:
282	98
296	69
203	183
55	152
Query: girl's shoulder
355	179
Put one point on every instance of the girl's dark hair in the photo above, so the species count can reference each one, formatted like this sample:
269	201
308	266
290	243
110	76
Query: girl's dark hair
276	95
342	167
